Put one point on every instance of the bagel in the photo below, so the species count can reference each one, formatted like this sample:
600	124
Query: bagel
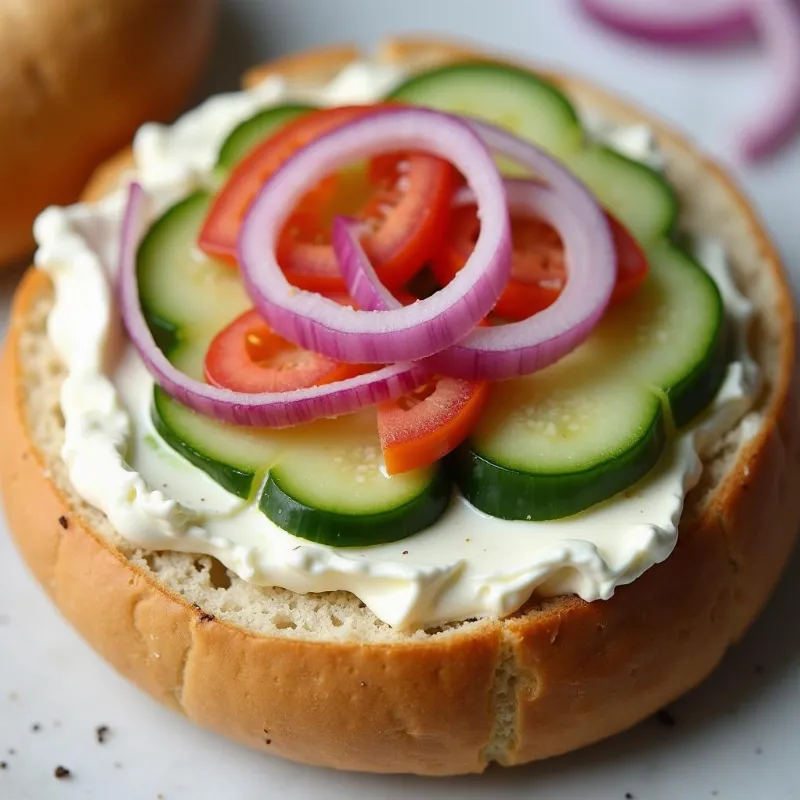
79	77
275	670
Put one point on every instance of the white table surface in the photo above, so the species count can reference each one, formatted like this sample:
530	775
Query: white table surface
736	737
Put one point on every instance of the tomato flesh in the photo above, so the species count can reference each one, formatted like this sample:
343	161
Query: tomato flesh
631	261
405	210
403	199
538	271
420	428
220	231
248	356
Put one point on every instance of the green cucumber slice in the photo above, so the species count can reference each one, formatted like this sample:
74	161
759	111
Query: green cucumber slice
512	98
635	194
245	136
330	488
233	457
325	480
561	420
537	110
181	289
556	442
345	529
559	441
671	336
187	298
189	353
501	491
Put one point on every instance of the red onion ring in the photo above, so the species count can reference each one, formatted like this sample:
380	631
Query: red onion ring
674	23
529	345
507	351
778	25
270	409
397	334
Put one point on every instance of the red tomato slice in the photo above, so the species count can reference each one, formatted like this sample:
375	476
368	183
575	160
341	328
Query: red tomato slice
221	228
538	273
404	200
419	428
631	261
248	356
407	207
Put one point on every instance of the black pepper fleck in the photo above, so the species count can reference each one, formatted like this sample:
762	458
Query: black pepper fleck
204	615
62	773
63	522
405	552
101	732
665	718
267	741
629	796
3	765
36	727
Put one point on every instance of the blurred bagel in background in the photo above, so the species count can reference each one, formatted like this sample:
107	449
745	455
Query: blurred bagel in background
77	78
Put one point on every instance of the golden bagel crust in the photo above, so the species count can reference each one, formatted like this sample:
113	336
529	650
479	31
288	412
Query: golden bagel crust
557	675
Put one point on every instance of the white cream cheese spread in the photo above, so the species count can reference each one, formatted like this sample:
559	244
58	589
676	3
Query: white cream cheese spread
467	564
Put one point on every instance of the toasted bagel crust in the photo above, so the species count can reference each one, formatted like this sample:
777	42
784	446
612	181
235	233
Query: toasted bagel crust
555	676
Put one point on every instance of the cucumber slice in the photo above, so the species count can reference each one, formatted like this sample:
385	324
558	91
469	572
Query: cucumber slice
515	494
572	435
511	98
537	110
187	298
636	195
672	335
181	289
189	354
325	483
559	441
337	529
566	419
330	488
245	136
233	457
